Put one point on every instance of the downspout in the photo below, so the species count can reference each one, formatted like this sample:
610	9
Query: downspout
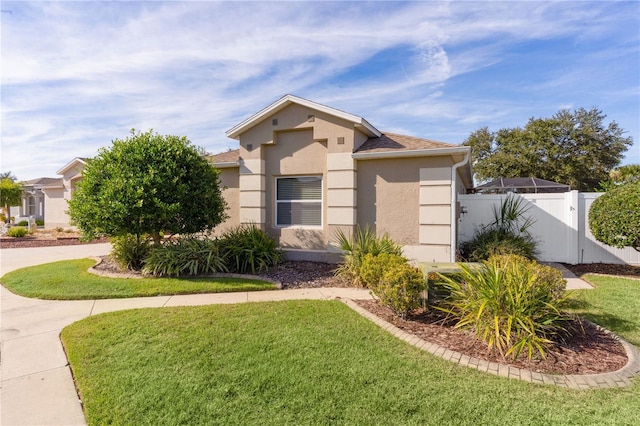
454	199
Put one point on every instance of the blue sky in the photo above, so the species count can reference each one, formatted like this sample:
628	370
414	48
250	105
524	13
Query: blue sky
76	75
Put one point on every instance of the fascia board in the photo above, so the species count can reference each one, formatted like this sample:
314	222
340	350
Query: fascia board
281	103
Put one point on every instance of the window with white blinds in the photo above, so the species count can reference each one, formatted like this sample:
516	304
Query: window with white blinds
299	201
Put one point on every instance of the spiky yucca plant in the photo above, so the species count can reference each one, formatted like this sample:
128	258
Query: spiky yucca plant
511	303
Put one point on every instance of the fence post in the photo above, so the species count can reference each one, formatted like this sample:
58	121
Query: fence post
572	222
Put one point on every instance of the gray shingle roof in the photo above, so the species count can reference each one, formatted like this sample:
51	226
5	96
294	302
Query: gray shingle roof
394	142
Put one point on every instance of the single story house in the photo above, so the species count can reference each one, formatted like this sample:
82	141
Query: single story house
46	198
32	204
304	171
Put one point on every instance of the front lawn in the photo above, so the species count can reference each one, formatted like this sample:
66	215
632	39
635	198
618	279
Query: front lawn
614	303
69	280
311	362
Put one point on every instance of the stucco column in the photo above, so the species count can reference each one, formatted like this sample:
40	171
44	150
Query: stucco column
435	214
341	193
252	191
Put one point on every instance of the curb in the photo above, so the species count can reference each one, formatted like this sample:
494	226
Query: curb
617	379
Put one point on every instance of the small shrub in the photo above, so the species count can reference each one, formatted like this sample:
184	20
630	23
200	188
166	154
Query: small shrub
374	267
130	250
23	223
511	303
17	231
400	288
3	218
246	248
361	242
39	222
185	256
59	229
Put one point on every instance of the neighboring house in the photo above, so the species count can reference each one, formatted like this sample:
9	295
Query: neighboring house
56	198
46	198
33	199
305	170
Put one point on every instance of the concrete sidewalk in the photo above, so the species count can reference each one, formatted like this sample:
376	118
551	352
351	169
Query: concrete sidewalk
36	383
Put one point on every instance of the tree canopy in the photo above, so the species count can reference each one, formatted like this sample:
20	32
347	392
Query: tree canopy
622	175
147	184
614	218
574	148
10	193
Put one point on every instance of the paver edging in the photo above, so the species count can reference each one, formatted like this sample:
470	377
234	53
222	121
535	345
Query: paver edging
98	261
619	378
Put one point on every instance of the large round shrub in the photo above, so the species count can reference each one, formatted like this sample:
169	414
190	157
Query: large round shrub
614	218
148	184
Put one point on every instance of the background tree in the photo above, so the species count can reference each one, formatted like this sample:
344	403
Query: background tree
614	218
621	175
10	193
147	184
574	148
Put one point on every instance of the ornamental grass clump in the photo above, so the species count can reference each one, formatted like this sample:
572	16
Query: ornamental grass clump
130	250
248	249
17	232
184	256
356	246
512	304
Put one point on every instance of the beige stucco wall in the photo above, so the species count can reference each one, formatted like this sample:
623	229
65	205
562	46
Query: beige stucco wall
229	185
410	199
56	206
296	117
303	142
388	197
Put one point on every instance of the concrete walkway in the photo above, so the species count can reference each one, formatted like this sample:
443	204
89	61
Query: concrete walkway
36	383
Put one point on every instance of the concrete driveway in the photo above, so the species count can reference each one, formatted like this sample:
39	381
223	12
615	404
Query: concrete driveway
36	383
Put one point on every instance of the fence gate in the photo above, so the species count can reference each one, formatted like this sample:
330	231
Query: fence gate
561	226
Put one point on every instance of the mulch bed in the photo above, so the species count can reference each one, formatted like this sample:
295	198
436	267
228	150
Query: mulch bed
591	353
630	271
25	242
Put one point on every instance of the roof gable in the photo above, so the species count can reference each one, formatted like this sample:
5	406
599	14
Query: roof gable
359	122
78	161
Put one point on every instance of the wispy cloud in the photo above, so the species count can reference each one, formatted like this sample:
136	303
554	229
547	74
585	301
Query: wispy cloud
77	75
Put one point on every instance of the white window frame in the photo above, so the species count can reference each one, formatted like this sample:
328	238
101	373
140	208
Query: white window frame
320	201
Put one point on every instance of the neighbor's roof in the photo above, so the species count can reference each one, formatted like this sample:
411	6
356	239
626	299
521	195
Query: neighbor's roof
42	181
228	157
359	122
539	185
394	142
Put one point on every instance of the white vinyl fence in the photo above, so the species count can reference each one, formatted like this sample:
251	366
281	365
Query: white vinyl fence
561	226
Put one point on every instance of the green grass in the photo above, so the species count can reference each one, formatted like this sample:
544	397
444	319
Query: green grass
69	280
303	362
613	304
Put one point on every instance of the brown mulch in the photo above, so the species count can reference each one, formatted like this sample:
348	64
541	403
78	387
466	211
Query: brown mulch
631	271
591	353
45	241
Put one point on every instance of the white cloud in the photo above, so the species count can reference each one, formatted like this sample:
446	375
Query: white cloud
77	75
